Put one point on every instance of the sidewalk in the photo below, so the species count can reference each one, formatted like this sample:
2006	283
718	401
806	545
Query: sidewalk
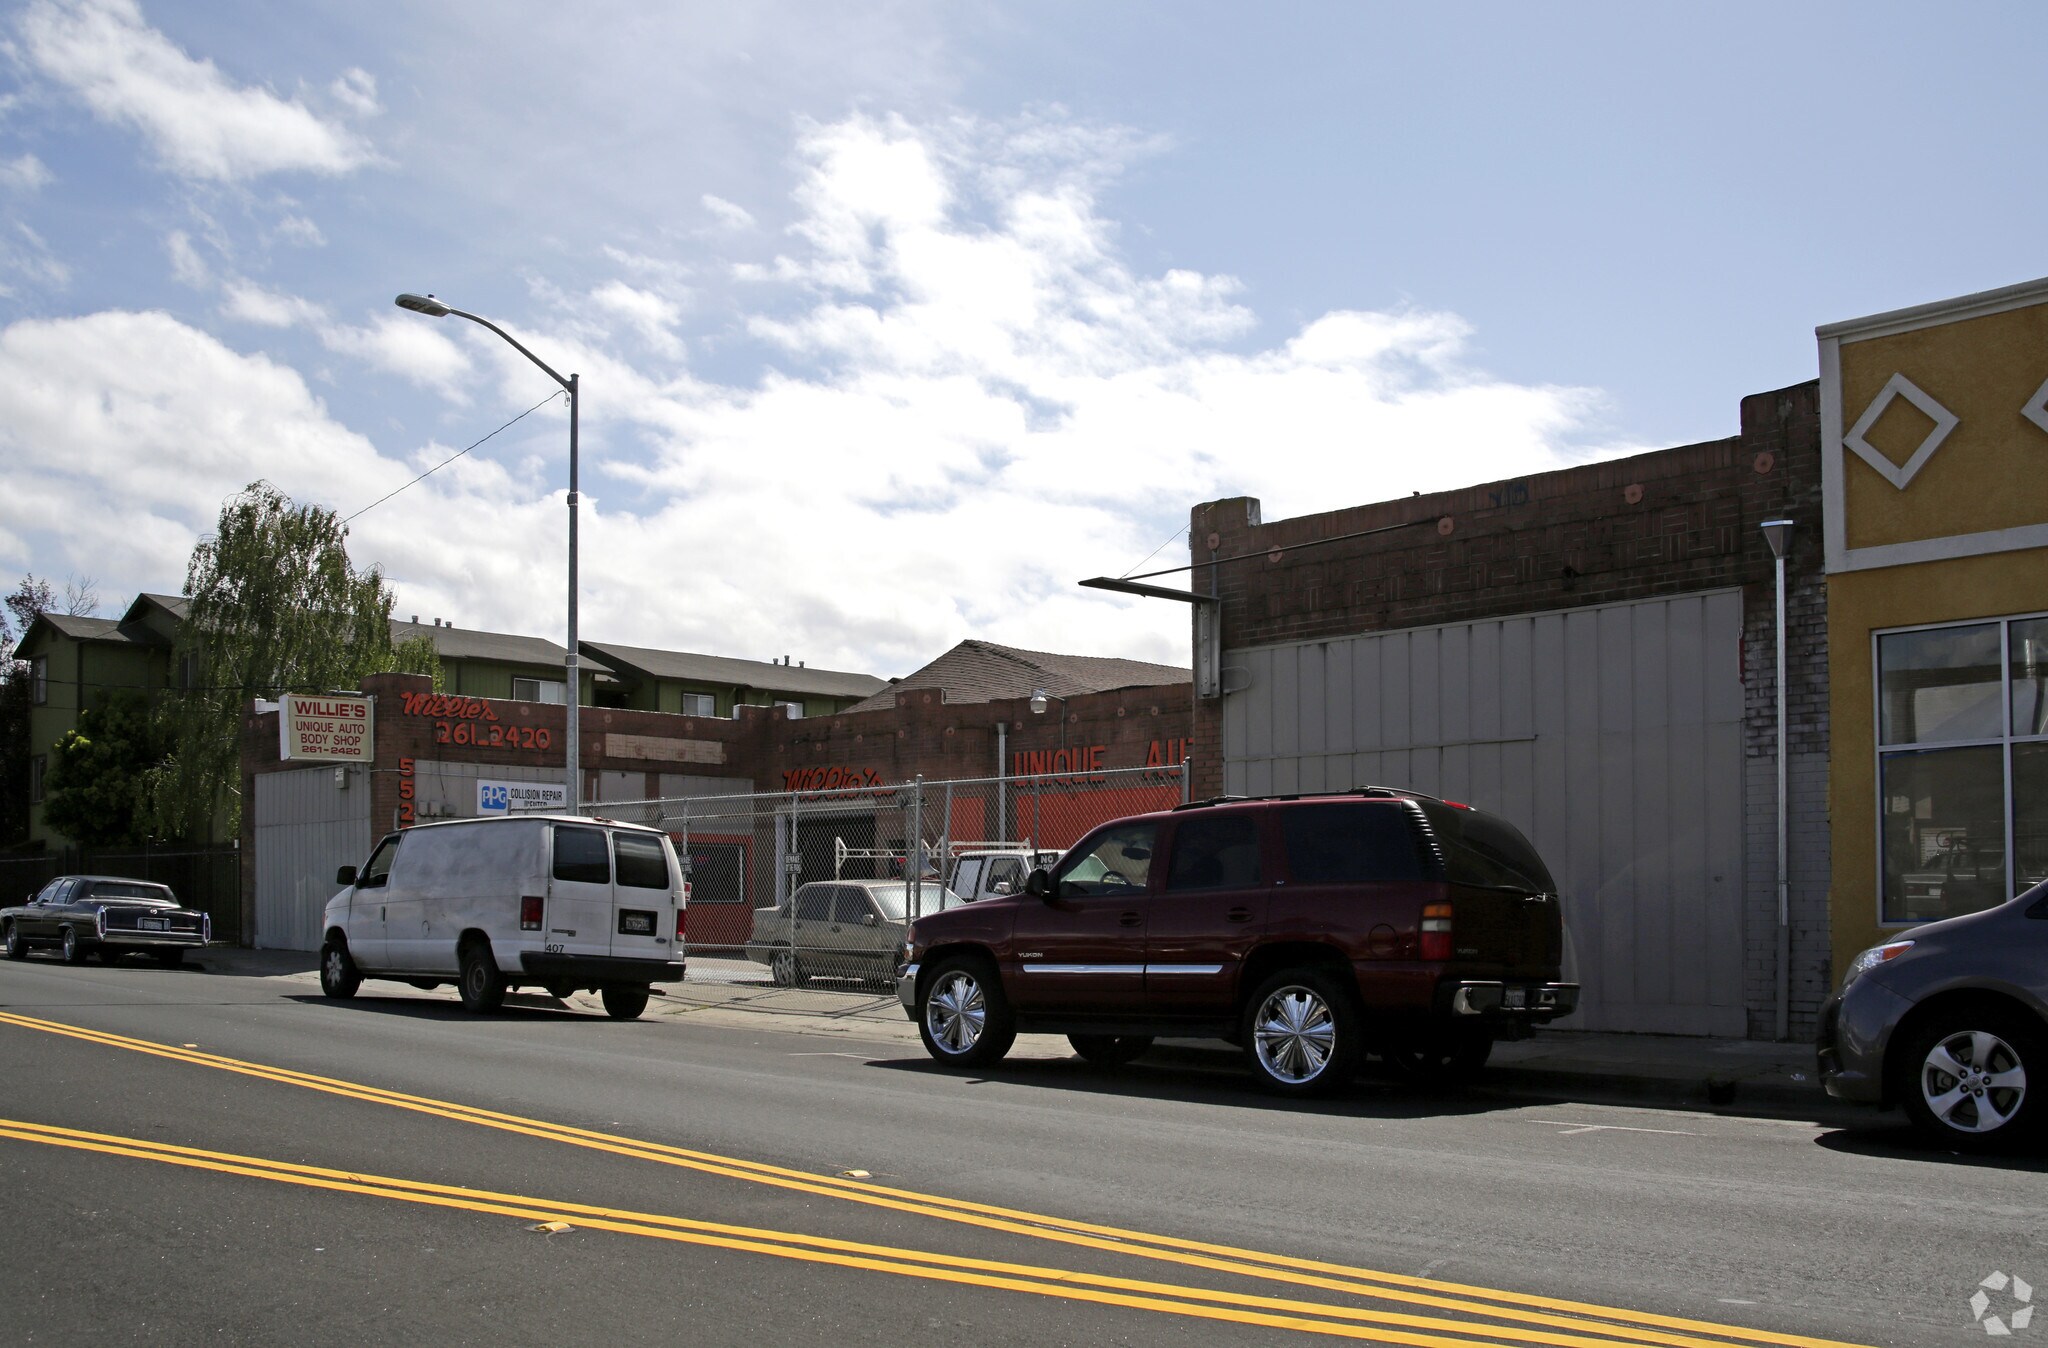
1736	1076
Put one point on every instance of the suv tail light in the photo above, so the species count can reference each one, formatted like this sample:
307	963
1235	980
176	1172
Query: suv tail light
529	912
1436	931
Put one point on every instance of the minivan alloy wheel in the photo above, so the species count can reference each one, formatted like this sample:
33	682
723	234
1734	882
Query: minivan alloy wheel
1973	1081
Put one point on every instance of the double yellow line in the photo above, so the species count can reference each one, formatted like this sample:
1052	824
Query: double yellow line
1516	1318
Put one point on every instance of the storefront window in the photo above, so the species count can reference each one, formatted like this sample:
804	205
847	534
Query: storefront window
2029	671
1944	833
1965	826
1940	685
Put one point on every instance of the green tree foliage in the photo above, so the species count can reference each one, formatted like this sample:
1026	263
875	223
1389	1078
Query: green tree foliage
30	600
96	790
275	607
418	655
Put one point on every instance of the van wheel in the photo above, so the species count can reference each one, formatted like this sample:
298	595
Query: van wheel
1302	1032
624	1003
785	970
1110	1050
962	1015
483	987
339	977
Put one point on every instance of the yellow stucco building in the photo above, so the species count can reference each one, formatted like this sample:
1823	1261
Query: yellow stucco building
1934	474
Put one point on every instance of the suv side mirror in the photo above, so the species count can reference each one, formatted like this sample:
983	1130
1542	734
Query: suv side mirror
345	876
1039	884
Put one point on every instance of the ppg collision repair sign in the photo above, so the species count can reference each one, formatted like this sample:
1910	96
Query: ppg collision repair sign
325	727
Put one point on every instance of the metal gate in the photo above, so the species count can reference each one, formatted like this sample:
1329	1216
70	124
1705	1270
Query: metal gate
1612	735
307	823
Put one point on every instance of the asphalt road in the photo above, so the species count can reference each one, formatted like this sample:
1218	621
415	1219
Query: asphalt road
189	1157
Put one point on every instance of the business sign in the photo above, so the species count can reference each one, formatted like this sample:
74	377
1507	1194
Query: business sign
521	797
325	727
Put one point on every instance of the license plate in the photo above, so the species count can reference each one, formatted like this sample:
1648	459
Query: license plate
1518	997
636	924
154	924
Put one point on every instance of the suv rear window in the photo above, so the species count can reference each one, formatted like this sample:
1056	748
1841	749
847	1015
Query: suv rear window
1484	849
1350	842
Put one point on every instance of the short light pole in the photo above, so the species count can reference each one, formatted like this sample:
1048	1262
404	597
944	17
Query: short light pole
1778	533
433	308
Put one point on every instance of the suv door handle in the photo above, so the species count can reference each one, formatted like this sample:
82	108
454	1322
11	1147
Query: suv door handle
1129	920
1240	915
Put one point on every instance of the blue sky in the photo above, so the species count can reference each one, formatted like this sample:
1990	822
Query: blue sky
894	320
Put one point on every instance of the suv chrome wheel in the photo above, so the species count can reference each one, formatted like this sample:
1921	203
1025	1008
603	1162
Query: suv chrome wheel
1302	1033
963	1017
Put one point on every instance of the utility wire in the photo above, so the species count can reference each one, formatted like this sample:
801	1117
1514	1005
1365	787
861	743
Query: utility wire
459	453
1180	532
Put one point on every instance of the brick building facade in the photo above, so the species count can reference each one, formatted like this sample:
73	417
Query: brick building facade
1653	526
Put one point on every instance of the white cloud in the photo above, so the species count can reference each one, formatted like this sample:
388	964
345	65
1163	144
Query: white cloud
299	230
356	90
650	315
187	266
247	302
201	123
25	254
407	346
24	174
728	215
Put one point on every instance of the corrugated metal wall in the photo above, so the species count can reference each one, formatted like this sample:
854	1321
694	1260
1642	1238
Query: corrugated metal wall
1612	735
306	826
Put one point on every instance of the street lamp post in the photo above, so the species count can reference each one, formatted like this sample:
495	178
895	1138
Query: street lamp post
433	308
1778	533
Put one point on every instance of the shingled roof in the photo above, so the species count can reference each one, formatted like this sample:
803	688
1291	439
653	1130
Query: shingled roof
726	670
981	671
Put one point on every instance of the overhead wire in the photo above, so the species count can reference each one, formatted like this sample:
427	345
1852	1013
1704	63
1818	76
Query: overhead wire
456	455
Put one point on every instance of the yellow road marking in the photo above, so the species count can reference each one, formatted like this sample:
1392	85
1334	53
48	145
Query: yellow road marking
1523	1308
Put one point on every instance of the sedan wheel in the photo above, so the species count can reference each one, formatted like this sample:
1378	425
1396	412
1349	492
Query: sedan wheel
785	970
962	1015
1301	1033
17	949
74	949
1970	1086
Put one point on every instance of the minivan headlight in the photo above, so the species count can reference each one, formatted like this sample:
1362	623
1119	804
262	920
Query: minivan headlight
1871	958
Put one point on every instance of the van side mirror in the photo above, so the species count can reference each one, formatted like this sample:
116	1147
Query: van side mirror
345	876
1039	884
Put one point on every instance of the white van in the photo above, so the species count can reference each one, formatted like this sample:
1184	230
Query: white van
562	902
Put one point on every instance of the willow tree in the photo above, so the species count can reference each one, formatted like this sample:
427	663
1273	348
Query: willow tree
275	608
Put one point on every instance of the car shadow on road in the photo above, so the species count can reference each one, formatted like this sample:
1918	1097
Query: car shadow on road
1895	1140
1197	1076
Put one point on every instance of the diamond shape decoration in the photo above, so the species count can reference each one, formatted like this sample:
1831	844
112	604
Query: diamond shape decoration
1898	386
2036	409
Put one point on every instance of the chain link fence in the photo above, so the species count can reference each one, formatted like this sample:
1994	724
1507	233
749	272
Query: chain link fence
815	889
209	879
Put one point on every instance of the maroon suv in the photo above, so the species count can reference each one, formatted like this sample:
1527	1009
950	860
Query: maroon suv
1310	930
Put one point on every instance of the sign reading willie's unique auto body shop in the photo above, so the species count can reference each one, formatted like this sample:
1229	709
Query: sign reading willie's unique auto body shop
325	727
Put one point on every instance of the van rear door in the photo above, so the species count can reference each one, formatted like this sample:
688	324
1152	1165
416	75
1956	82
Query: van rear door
579	911
644	925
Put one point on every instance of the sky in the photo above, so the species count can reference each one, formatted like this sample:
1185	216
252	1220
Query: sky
895	320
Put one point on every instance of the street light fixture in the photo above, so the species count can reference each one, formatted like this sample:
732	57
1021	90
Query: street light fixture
433	308
1039	698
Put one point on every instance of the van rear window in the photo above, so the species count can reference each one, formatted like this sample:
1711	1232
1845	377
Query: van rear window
581	855
1350	842
642	863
